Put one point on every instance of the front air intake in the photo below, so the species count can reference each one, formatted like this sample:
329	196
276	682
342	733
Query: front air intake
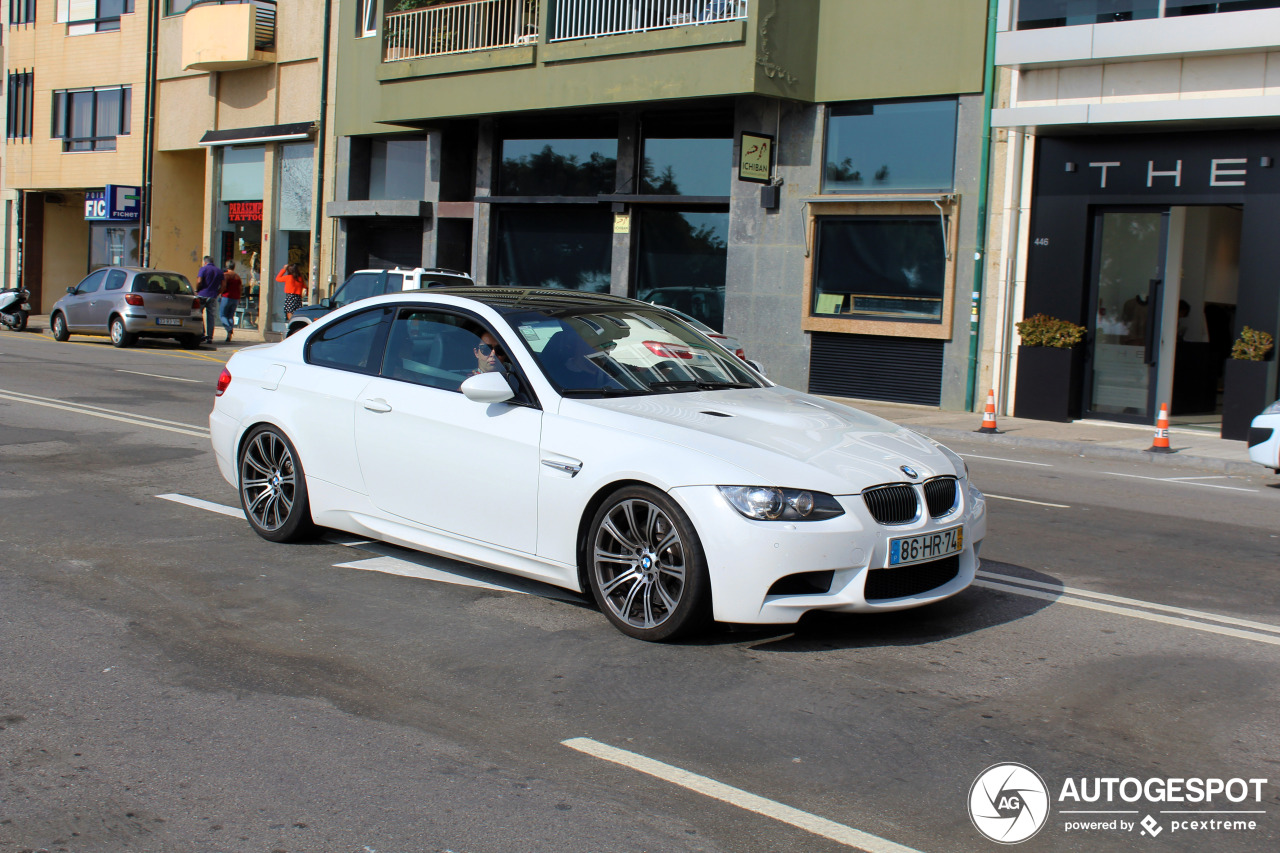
892	504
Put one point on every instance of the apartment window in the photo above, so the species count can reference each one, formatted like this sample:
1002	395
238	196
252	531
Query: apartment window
20	93
177	7
91	119
92	16
880	268
22	12
891	146
367	19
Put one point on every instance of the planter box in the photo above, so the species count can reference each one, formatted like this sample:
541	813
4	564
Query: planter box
1050	383
1246	393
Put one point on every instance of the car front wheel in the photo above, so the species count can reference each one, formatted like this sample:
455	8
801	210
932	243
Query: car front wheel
273	488
120	337
58	324
647	570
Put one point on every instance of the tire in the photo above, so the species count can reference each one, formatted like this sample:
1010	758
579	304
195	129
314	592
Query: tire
58	325
120	337
646	566
191	341
273	487
21	325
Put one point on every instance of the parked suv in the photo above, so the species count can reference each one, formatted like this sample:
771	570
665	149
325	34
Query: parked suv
127	303
365	283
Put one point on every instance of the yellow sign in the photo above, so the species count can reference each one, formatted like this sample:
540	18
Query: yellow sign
755	162
622	223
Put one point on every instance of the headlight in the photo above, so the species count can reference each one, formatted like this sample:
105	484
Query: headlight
1273	409
767	503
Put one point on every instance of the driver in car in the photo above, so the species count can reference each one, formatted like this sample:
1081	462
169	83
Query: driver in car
489	356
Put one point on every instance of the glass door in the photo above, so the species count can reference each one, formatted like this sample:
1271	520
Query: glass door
1128	277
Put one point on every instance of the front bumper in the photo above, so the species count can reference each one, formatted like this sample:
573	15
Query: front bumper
1264	441
746	558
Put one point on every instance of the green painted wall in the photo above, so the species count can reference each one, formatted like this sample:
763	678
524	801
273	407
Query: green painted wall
900	49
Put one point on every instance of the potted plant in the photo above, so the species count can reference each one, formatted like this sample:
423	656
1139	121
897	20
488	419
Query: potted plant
1050	366
1246	390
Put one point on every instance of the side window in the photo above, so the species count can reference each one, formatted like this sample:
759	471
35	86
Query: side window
349	344
431	348
92	282
395	283
115	279
362	285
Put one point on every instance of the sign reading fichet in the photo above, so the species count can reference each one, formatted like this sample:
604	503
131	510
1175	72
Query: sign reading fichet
755	162
115	203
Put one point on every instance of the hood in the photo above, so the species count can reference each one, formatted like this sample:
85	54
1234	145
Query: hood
785	437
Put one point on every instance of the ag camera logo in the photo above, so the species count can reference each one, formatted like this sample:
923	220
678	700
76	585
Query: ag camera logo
1008	803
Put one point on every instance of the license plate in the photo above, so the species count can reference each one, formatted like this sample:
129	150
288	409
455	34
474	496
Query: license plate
169	321
926	546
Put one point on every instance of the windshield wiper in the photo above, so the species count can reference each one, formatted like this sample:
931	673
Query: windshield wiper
600	392
700	384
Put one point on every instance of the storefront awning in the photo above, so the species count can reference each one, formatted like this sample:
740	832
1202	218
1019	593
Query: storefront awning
267	133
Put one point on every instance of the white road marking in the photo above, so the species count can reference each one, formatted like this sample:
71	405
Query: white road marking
221	509
407	569
107	414
1059	597
1025	501
820	826
1180	481
999	459
158	376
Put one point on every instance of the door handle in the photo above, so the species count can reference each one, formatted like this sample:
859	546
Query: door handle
377	404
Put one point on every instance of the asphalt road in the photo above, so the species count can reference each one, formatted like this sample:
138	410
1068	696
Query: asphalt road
171	682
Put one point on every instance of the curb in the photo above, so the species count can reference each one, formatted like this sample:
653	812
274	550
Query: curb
1092	451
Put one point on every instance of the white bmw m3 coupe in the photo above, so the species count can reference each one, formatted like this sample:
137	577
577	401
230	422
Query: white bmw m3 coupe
594	443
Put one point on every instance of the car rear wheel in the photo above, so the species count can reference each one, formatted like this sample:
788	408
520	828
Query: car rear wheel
119	336
647	570
191	341
58	324
273	488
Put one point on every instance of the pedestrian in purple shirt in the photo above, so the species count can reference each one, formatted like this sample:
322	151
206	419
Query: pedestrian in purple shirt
209	288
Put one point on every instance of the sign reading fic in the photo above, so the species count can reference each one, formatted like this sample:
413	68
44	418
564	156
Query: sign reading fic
755	162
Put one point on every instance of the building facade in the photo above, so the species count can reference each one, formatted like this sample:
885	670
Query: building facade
239	145
75	96
1143	138
805	175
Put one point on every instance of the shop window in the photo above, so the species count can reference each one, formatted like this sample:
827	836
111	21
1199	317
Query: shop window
682	262
22	12
891	146
564	157
554	246
91	119
21	95
83	17
687	155
397	169
880	268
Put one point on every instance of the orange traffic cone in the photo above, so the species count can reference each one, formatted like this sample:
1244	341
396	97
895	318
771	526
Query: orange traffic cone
989	415
1160	444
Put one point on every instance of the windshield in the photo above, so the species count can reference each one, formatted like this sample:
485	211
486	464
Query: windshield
361	285
601	352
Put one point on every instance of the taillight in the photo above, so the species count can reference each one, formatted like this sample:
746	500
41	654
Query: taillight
133	299
195	303
740	353
667	350
224	379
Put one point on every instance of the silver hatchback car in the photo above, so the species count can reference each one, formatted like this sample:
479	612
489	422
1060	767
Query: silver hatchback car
127	303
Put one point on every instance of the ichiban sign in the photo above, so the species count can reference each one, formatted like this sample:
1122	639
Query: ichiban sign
755	163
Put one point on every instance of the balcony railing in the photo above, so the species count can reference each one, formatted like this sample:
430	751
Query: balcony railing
264	19
460	28
576	19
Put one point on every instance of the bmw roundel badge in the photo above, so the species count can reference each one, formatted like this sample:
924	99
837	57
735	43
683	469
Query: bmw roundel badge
909	471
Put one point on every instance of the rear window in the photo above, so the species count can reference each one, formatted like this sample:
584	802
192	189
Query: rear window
157	282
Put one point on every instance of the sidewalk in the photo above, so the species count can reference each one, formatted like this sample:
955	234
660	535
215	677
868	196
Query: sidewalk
1196	448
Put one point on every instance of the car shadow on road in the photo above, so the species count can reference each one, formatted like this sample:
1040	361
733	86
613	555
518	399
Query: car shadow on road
1003	593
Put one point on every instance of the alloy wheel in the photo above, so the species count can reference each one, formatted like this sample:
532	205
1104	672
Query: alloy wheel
640	563
268	481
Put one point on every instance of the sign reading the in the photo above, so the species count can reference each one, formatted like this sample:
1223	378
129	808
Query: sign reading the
244	211
755	162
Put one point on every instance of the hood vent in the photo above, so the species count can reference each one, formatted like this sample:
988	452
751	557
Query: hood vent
716	414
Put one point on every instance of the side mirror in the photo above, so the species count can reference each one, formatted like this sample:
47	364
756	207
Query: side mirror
756	366
71	291
326	303
487	388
